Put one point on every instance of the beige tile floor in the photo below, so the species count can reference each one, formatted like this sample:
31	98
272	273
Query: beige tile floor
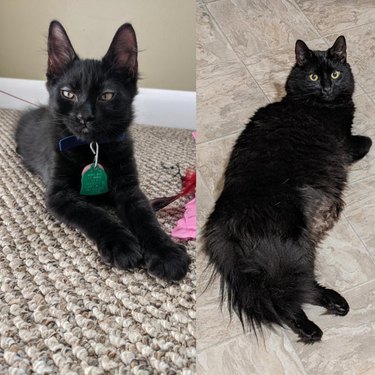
245	50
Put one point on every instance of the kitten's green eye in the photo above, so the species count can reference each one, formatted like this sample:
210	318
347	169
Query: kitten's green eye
107	96
313	77
68	94
336	74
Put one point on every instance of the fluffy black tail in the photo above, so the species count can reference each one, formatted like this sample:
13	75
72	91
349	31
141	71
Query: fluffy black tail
264	281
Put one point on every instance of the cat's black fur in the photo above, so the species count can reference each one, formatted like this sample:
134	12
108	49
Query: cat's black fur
127	234
282	192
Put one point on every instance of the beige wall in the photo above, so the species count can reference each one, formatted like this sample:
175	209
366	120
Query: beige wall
165	31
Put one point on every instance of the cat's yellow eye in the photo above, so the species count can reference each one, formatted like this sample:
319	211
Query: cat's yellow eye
313	77
336	74
68	94
107	96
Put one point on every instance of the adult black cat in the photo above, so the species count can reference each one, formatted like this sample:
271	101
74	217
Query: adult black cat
89	111
283	191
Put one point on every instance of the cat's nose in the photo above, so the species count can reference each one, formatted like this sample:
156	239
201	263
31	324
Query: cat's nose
85	118
327	90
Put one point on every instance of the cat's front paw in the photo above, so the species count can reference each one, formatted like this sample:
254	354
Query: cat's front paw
121	251
169	262
360	146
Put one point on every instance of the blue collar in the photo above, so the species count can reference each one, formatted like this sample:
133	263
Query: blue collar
72	141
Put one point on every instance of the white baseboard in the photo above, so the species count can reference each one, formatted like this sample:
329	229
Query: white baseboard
169	108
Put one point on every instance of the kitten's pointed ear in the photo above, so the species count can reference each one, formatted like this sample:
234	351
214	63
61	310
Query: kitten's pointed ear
122	53
338	50
60	50
303	52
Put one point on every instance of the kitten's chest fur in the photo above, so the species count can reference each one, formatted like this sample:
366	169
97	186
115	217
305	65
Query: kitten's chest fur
116	158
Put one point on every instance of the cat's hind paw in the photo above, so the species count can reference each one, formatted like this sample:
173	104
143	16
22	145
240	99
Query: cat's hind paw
307	331
334	302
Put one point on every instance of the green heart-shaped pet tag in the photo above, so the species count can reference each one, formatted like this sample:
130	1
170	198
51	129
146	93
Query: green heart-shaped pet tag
94	180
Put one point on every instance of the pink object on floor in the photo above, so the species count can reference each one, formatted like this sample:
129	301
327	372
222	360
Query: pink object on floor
187	226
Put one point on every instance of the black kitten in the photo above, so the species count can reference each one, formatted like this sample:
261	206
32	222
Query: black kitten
283	191
91	103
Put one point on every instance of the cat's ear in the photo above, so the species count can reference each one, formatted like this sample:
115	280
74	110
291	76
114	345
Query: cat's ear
60	51
303	52
338	50
123	51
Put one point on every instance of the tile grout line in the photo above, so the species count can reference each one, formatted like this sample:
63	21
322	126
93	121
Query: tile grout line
358	286
348	29
363	179
247	334
223	137
224	341
367	94
292	345
235	53
204	183
237	132
372	100
308	20
363	89
359	237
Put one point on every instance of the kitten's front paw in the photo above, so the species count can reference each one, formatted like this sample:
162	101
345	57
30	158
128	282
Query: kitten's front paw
169	262
121	251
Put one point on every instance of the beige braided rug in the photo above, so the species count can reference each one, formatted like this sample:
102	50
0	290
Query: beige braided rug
62	311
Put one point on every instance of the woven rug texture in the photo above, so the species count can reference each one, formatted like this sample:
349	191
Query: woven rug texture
62	311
